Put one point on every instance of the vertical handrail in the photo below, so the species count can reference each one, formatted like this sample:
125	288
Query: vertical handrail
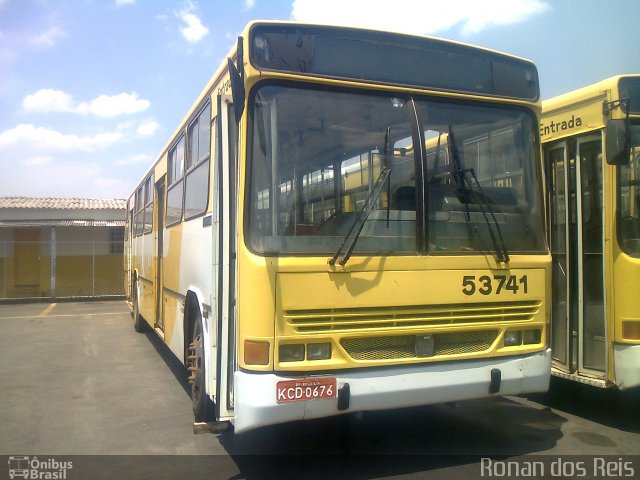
4	268
53	253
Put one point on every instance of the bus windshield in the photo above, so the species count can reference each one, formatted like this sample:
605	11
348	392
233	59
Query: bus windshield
630	197
316	155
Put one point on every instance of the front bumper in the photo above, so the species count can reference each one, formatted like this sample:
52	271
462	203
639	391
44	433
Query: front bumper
386	388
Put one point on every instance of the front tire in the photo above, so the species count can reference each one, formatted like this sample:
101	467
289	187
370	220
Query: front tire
203	406
138	321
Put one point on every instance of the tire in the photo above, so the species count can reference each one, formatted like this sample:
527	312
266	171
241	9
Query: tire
203	406
138	321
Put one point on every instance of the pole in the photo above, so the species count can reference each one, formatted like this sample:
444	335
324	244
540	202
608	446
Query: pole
53	263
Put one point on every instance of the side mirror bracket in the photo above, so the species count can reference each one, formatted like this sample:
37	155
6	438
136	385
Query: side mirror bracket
236	74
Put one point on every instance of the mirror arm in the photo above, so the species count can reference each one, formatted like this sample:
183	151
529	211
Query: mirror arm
236	74
240	58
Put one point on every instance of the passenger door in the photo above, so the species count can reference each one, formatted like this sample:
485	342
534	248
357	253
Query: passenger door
561	324
574	173
225	204
159	240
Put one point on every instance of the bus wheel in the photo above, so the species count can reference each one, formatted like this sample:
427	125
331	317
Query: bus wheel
203	408
138	322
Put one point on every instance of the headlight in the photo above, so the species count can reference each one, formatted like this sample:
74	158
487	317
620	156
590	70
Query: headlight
531	337
291	352
318	351
512	338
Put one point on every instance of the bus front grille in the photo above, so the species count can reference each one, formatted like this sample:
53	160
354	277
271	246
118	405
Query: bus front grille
339	319
404	346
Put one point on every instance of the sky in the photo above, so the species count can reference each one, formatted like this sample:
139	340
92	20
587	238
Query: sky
91	90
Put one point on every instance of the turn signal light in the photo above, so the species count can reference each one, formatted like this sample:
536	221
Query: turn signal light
256	353
631	330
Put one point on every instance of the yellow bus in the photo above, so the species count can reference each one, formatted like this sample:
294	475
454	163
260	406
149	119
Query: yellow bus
591	139
304	259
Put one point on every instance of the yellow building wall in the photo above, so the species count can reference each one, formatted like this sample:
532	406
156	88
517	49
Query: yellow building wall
85	265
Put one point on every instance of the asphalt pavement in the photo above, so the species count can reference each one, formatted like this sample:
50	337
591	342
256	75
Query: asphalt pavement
77	380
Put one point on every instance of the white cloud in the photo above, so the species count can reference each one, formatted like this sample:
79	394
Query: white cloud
249	4
48	162
42	139
472	16
58	178
49	38
48	100
107	106
120	3
38	160
148	128
113	105
194	30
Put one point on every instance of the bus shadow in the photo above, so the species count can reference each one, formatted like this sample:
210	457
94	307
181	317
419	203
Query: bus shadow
170	360
440	439
609	407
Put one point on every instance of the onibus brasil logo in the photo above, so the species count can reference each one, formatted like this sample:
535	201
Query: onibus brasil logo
33	468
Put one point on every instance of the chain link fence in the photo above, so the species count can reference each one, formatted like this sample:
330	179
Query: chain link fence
62	269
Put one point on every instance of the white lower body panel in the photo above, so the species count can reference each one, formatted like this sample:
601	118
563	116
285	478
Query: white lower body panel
626	359
386	388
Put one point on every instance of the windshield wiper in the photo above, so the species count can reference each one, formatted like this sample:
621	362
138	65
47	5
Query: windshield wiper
502	255
367	208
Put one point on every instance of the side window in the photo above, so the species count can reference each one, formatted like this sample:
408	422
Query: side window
494	161
354	173
629	198
134	215
148	205
176	183
629	186
197	176
591	172
127	224
556	192
138	213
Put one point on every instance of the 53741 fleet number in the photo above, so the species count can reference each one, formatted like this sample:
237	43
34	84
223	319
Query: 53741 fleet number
486	285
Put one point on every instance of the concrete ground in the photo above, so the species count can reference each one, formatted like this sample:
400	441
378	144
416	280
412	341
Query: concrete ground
77	380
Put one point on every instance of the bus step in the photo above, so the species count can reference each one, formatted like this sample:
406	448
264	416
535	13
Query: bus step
210	427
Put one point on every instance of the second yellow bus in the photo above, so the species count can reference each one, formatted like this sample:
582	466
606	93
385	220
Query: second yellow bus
591	139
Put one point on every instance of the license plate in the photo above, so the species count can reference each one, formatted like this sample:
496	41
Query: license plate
305	389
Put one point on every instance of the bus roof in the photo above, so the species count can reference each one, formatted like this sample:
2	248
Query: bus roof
584	94
253	23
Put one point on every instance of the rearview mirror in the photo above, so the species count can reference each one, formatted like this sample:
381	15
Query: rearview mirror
617	142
